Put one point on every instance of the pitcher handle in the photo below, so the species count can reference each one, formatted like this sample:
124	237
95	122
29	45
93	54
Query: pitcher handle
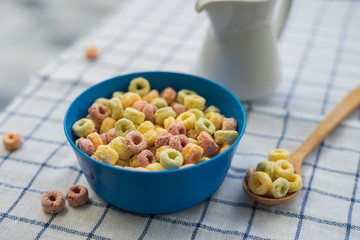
282	9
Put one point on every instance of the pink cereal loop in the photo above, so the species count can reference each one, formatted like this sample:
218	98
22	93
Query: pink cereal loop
187	165
86	146
103	138
229	124
178	142
208	144
177	128
98	112
162	139
139	104
149	110
145	158
179	108
169	94
110	135
52	201
77	195
135	142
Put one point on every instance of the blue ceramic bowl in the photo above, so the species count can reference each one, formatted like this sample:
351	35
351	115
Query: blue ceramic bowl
163	191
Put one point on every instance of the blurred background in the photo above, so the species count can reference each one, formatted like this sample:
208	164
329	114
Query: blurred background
32	32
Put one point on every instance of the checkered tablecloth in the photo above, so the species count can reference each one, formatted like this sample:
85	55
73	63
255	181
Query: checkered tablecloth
320	55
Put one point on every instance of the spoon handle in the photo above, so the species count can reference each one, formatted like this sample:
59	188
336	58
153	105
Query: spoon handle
336	116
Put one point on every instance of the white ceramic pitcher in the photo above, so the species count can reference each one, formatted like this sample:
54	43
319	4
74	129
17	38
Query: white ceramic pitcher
239	50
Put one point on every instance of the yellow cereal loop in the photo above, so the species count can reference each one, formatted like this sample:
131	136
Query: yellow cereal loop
107	124
279	188
194	141
159	150
83	127
168	121
187	119
129	98
215	118
223	136
124	126
277	154
118	94
134	115
122	163
224	147
183	93
155	167
203	159
160	130
107	154
103	101
140	86
194	101
118	144
134	161
259	183
163	113
159	102
284	169
211	108
266	167
151	95
116	108
198	113
150	137
295	183
145	126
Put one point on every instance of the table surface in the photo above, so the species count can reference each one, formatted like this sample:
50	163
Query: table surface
320	56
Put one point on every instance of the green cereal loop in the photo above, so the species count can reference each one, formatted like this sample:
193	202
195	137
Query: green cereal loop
284	169
116	108
159	102
194	141
171	158
206	125
118	94
211	108
279	188
194	101
140	86
223	136
124	126
83	127
118	144
163	113
183	93
134	115
203	159
198	113
266	167
103	101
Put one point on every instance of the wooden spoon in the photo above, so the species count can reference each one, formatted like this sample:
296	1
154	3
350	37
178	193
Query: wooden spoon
336	116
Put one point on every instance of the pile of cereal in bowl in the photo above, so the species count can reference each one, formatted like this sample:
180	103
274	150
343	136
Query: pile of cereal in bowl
147	131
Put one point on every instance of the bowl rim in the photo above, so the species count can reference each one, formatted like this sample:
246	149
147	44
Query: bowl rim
168	171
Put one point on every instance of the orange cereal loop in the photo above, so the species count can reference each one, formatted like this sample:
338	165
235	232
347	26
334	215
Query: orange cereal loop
169	94
95	139
129	98
151	96
91	53
12	141
224	147
192	153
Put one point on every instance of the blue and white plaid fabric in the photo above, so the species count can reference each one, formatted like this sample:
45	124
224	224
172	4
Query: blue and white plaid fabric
320	57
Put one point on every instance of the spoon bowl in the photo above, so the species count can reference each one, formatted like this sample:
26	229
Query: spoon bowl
333	119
